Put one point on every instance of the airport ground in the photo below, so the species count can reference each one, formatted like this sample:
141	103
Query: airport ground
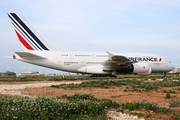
164	92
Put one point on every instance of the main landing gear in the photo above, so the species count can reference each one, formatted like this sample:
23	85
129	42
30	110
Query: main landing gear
99	75
165	75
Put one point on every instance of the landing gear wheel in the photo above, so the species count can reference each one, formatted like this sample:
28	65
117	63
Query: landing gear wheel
165	75
99	75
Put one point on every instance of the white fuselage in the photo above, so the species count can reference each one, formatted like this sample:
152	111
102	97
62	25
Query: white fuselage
91	62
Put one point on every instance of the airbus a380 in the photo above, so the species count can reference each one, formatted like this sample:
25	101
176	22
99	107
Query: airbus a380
38	52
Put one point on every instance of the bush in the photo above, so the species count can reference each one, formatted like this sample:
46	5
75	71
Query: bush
167	96
174	104
111	104
170	91
125	90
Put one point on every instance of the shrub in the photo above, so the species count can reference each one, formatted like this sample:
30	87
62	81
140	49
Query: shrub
167	96
170	91
125	90
164	91
178	89
110	104
174	104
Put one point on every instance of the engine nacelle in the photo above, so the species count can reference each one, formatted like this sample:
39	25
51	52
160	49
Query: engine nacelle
145	74
141	68
93	70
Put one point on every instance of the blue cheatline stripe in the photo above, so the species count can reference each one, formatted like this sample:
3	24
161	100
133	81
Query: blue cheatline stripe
23	35
29	31
24	32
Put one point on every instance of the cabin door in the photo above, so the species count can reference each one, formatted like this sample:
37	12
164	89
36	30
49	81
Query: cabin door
59	63
82	63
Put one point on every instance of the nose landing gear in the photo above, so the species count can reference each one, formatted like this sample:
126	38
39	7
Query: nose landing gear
165	75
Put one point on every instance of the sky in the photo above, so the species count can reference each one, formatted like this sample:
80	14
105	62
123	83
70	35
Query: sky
136	26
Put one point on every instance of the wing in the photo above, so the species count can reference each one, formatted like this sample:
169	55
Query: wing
27	55
116	62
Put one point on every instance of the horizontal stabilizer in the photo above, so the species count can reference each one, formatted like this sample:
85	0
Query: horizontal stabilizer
27	55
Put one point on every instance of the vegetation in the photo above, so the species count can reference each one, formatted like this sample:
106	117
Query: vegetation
84	106
145	105
167	96
78	106
56	78
40	78
177	89
169	91
71	78
174	103
136	85
52	108
132	90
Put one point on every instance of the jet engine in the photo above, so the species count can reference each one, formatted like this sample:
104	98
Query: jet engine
145	74
141	68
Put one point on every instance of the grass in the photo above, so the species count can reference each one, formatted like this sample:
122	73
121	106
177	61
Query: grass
99	83
177	89
56	78
103	83
77	106
132	90
36	78
136	85
81	106
52	108
176	116
145	105
174	103
72	78
153	79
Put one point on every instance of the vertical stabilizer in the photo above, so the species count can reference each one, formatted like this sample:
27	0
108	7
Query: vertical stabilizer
28	37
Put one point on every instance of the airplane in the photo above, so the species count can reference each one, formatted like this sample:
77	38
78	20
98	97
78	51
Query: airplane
38	52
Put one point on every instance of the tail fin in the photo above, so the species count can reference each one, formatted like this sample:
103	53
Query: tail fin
29	38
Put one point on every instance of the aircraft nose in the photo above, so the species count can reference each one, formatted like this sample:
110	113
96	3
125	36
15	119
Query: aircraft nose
172	66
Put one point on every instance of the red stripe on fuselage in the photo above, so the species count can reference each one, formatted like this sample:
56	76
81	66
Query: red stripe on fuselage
21	39
160	59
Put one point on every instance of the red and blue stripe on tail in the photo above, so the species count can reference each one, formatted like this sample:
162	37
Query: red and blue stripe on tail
26	34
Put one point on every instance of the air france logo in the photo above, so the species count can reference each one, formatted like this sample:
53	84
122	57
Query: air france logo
145	59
